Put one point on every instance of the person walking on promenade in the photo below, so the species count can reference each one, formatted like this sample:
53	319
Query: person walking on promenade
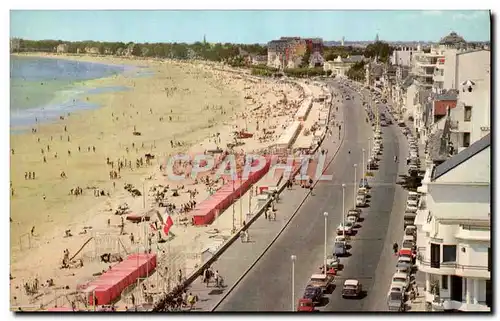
191	300
206	276
216	277
179	276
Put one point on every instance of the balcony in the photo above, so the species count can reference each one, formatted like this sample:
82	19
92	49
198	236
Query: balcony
451	268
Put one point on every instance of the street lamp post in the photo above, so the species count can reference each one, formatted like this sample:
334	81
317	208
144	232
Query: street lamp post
293	257
326	220
364	168
234	224
354	187
343	210
369	147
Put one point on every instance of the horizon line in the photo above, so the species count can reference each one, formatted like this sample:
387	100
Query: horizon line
251	43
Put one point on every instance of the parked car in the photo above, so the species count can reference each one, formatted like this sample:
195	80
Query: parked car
408	253
363	183
347	228
361	200
371	164
404	265
305	305
412	200
395	302
354	212
411	208
352	289
352	219
340	249
342	239
313	293
411	230
332	261
401	279
323	281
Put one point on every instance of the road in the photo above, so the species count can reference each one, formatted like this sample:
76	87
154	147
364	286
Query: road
267	287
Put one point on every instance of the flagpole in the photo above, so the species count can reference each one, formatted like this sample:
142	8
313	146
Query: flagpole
250	201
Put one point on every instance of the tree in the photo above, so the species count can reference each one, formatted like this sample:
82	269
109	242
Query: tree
101	48
330	56
379	49
136	49
306	58
357	71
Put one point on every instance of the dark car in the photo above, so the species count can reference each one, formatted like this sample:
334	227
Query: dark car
363	182
313	293
339	249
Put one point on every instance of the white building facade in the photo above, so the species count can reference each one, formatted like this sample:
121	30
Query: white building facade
458	66
470	119
453	231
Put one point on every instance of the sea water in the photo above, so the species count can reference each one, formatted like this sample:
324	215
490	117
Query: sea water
42	89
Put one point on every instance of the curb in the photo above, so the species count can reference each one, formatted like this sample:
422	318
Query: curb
282	229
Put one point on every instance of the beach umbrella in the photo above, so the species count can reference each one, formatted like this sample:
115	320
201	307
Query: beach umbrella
468	83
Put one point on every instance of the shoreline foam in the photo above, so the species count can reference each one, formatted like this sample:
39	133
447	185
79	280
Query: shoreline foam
67	98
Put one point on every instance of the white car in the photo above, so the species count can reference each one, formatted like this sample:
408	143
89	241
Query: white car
342	239
411	209
401	279
332	261
412	200
347	228
360	200
363	191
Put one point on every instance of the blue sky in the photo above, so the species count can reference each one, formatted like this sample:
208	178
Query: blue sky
247	26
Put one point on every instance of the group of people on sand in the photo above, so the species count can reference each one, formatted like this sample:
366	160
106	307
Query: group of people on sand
29	175
76	191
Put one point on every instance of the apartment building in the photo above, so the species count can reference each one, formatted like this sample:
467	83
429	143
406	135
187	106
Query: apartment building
453	231
276	53
287	52
458	66
403	56
424	65
470	120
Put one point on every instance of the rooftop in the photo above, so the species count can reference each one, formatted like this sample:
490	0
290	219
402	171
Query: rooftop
452	38
462	157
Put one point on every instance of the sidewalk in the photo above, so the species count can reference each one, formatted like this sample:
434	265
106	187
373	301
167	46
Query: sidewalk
417	305
233	263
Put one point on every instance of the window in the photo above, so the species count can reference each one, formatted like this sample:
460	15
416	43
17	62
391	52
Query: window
466	140
435	255
449	253
444	282
467	113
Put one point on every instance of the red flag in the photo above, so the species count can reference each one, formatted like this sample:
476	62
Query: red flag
168	224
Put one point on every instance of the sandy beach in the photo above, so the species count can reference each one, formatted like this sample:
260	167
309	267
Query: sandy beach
179	108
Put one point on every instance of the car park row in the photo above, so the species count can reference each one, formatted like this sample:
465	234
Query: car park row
403	283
